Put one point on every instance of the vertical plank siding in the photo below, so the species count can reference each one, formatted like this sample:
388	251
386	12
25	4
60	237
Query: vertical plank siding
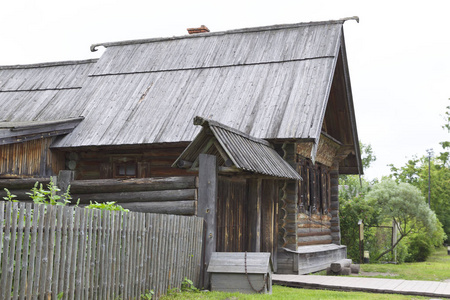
46	251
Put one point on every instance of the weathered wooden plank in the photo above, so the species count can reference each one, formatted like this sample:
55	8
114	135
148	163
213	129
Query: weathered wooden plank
75	251
2	216
57	252
167	207
25	253
132	185
6	245
39	238
10	272
238	282
44	251
51	250
123	255
207	201
108	259
146	196
31	268
69	257
86	257
61	237
81	256
116	259
95	250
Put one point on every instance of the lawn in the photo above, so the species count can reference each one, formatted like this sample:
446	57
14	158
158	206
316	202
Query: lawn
282	293
436	268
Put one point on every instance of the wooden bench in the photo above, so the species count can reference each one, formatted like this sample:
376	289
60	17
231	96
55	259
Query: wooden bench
309	259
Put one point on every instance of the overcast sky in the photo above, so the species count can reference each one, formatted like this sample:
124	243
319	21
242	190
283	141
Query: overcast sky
399	53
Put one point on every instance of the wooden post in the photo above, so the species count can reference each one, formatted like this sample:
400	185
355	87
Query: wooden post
64	179
207	199
254	211
361	240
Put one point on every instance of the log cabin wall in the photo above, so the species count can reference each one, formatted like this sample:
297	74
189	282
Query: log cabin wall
165	195
30	159
307	209
314	217
136	162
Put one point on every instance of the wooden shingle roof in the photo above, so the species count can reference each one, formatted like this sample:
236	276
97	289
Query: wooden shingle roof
269	82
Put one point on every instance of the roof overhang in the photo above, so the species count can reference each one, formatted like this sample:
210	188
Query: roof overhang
18	132
237	152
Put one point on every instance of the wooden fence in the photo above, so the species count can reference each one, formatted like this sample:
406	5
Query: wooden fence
49	251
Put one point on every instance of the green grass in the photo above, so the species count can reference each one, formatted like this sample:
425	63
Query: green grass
436	268
283	293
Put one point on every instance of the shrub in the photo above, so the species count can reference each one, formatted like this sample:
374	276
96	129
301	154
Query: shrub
420	248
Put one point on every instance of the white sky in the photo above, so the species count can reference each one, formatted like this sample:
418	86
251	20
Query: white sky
399	53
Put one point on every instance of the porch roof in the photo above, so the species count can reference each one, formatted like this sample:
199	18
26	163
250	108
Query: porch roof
236	151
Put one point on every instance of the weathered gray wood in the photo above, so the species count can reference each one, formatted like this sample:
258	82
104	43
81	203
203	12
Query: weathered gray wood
25	253
21	184
132	185
146	196
60	258
2	216
345	271
63	264
39	246
254	218
6	243
229	282
167	207
69	256
337	266
355	268
207	201
30	275
65	178
75	251
57	252
79	280
44	252
10	273
48	276
117	246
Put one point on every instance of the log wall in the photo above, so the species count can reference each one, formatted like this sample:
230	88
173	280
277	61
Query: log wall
103	163
169	195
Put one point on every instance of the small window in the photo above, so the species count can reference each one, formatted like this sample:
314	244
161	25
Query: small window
125	170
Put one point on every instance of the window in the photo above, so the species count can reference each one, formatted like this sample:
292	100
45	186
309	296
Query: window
314	190
125	170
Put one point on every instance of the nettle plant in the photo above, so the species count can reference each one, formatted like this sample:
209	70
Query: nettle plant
50	196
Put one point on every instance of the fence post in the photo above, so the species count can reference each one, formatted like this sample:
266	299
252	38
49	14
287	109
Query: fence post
207	198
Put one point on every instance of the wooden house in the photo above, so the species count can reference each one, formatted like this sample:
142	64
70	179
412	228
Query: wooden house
120	127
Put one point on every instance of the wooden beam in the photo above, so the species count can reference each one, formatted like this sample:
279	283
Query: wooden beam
206	208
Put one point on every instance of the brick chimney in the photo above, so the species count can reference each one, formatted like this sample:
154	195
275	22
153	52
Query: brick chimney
200	29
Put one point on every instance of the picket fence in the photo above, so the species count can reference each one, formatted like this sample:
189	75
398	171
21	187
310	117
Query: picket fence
56	252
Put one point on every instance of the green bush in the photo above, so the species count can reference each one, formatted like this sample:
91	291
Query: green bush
420	248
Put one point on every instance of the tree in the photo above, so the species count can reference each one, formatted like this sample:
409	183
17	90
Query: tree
404	204
415	172
352	205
